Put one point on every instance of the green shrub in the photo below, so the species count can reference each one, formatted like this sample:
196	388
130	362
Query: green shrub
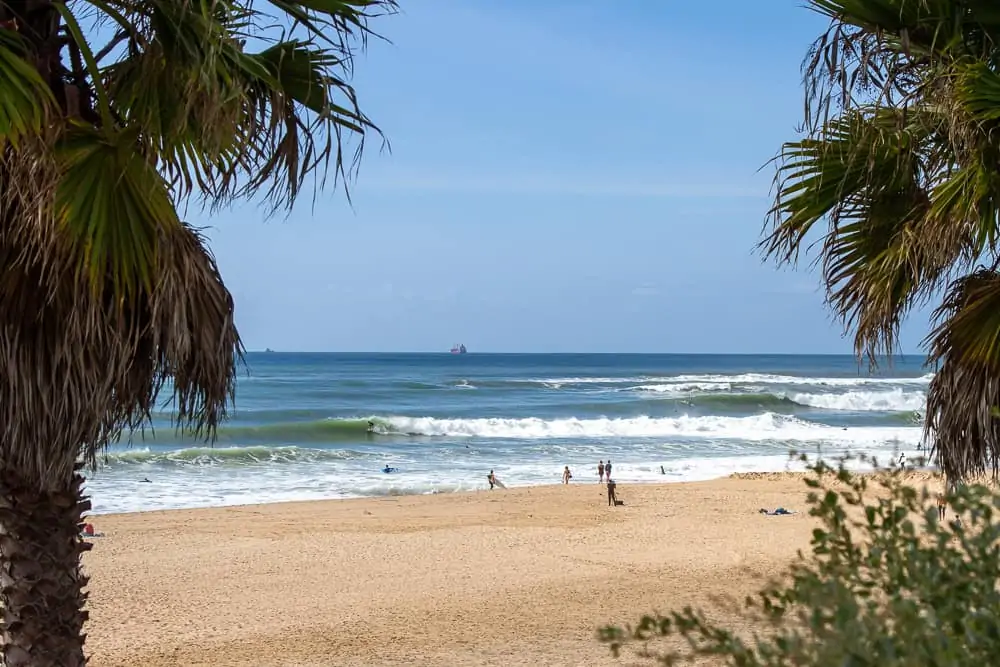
885	583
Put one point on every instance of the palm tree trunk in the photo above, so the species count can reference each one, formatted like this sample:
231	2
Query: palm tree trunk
41	582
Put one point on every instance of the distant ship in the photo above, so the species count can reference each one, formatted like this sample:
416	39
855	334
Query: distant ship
268	349
459	348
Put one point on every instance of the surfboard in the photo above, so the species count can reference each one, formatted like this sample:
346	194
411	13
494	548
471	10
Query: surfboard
498	483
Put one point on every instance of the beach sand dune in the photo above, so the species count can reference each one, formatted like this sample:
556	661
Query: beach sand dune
516	577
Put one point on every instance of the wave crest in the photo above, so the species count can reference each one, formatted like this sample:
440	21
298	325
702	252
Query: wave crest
208	456
765	426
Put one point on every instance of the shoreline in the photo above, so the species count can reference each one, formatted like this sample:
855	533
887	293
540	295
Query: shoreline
918	474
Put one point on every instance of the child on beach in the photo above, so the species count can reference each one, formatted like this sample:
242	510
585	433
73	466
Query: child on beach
600	472
567	475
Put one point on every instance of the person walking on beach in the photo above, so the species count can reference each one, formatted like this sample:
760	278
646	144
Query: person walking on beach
607	471
612	498
600	472
942	505
491	478
567	475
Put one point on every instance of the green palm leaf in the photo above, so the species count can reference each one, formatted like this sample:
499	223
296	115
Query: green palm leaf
24	97
114	206
881	251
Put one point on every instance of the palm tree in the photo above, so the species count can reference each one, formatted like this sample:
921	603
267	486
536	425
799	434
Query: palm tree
901	162
115	114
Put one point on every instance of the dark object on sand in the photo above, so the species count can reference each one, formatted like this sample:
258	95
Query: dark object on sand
778	512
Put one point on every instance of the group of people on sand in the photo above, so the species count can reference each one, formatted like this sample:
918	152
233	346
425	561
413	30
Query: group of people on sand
603	477
603	473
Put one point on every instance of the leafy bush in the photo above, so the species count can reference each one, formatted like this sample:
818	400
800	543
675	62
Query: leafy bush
886	583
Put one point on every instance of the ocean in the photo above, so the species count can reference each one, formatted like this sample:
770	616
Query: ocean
300	428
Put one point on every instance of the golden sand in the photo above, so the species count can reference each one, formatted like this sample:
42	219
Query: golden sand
516	577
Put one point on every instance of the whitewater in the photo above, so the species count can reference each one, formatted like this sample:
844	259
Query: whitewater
312	426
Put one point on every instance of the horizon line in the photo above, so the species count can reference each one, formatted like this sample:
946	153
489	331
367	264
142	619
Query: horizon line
509	353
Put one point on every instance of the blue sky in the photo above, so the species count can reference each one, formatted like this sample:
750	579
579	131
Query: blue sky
564	176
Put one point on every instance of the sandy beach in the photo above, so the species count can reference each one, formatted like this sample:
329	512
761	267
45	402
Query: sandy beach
516	577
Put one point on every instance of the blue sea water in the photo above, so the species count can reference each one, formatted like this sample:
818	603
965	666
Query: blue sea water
300	428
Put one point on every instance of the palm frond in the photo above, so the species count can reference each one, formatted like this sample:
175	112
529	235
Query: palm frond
114	206
227	123
336	22
85	366
885	52
284	145
191	334
966	388
24	96
881	252
105	293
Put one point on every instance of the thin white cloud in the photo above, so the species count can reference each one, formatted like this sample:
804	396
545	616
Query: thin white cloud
542	184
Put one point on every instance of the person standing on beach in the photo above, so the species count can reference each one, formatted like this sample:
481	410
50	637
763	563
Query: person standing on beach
612	498
600	472
491	479
942	505
567	475
607	471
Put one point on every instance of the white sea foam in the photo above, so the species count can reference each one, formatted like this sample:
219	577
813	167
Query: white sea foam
766	426
687	382
682	387
771	379
178	488
895	400
891	400
558	382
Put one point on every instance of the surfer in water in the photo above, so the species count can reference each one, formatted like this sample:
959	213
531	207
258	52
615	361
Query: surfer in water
388	469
